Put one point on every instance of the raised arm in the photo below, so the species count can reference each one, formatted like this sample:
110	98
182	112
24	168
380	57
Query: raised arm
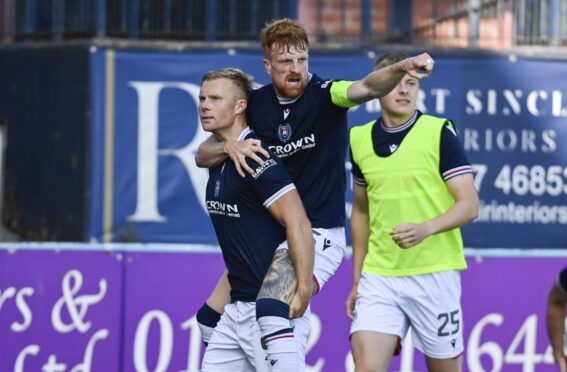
288	210
213	152
381	82
556	325
360	231
464	210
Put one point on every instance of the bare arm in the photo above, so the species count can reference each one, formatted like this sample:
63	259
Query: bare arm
556	325
360	231
288	210
213	152
220	296
381	82
464	210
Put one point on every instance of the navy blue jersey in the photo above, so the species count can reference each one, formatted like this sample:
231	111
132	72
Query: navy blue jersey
310	136
453	160
247	233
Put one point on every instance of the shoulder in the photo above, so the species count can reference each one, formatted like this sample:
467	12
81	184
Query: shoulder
319	85
433	120
359	132
263	93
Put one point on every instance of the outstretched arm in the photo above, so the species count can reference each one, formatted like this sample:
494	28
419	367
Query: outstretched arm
556	325
213	152
381	82
464	210
288	280
360	231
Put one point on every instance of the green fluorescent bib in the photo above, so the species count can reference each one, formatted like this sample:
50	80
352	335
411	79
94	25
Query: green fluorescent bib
406	187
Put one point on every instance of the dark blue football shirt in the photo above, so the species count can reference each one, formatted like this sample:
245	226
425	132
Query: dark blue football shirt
247	233
310	136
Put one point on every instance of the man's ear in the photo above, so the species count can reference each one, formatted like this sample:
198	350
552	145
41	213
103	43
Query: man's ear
267	66
240	107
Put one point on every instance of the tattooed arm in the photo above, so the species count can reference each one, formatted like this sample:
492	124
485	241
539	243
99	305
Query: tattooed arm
289	278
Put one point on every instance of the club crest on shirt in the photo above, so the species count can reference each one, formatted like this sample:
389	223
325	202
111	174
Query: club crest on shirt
284	132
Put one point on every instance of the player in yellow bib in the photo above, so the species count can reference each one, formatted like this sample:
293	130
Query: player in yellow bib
413	189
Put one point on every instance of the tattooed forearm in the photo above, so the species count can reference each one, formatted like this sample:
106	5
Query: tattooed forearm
280	282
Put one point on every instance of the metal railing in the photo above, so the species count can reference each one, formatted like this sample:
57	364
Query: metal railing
494	23
459	23
209	20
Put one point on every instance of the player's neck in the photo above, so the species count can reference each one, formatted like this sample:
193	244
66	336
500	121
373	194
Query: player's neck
394	121
233	132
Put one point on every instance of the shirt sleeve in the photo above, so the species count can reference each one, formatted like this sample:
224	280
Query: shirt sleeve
339	90
270	180
453	161
357	175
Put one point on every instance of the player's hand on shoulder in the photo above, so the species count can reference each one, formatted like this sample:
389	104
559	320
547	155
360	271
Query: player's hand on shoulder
238	151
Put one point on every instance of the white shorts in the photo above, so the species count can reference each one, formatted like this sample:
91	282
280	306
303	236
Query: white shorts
430	303
235	343
330	246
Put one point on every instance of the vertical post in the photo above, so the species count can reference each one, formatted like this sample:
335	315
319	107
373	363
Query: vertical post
232	17
553	19
167	15
57	16
343	18
366	12
474	22
133	20
100	18
5	234
188	16
435	16
7	21
30	19
254	17
292	9
319	20
520	22
145	14
212	20
276	9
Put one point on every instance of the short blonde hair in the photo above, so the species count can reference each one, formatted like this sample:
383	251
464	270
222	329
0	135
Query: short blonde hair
284	32
242	80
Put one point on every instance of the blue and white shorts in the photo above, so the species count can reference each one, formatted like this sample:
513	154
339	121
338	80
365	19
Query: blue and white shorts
330	246
429	303
235	343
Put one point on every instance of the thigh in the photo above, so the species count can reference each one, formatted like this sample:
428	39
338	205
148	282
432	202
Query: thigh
280	281
249	337
224	352
373	351
330	245
301	330
435	313
377	308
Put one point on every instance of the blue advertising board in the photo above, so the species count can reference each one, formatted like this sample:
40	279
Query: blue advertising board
510	113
